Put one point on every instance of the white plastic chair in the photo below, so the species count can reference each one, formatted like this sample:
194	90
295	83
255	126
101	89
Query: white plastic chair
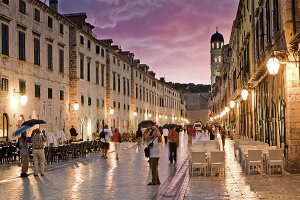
275	158
254	159
217	161
198	161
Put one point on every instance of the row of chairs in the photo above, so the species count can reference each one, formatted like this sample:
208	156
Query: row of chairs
214	162
64	152
8	154
257	156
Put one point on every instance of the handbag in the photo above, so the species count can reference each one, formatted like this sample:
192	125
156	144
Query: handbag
147	148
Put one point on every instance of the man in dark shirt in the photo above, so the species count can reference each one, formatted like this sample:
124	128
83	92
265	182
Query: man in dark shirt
73	133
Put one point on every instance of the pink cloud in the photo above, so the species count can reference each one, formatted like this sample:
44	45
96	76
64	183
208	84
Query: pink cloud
171	36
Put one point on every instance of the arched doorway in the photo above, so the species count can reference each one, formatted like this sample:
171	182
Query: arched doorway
4	127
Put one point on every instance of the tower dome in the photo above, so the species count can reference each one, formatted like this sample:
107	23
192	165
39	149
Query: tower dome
217	37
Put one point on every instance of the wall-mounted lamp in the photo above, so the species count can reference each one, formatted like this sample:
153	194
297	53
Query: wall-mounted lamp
244	94
227	109
23	100
111	111
159	116
149	115
166	117
134	113
232	104
273	65
76	106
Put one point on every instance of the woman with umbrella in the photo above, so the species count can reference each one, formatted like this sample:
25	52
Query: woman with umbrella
24	153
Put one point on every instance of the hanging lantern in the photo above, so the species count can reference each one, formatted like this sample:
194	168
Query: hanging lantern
232	104
273	65
244	94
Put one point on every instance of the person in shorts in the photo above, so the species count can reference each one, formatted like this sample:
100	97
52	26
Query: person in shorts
104	145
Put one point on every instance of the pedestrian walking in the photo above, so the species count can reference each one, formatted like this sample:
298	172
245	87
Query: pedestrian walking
105	136
173	144
38	152
139	136
165	135
116	138
190	134
154	139
23	144
223	136
73	134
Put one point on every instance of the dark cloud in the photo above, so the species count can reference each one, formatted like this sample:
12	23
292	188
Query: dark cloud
172	36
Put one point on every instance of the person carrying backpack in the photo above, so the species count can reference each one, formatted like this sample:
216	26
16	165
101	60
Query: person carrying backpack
153	136
104	139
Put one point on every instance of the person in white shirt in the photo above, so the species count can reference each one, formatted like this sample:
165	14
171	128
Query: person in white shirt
153	136
105	141
165	134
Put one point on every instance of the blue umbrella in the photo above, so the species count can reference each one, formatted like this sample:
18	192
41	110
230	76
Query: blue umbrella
21	129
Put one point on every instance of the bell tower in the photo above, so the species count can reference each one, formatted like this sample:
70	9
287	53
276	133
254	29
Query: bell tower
216	44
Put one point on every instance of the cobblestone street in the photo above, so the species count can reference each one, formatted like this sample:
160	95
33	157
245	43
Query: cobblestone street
127	178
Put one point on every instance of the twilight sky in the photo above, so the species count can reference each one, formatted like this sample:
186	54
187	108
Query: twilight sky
171	36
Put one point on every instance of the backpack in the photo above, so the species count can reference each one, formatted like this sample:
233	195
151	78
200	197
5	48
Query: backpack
102	134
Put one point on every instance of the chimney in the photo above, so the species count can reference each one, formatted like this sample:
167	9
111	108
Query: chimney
53	4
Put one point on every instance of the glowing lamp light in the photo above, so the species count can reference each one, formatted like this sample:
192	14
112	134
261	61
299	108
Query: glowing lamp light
159	116
244	94
232	104
175	118
166	117
227	109
135	113
273	65
14	101
23	100
76	106
111	111
149	115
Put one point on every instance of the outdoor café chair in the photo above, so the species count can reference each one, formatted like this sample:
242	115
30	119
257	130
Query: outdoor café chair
217	161
275	159
198	161
254	159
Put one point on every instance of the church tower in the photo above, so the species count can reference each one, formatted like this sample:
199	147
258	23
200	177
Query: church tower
216	44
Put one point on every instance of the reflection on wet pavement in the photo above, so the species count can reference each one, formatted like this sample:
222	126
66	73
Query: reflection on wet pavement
96	178
237	185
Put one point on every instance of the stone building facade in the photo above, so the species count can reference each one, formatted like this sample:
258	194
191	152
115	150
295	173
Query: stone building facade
197	106
34	66
262	31
61	72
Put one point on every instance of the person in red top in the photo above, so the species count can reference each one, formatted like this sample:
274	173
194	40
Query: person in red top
173	139
116	138
190	134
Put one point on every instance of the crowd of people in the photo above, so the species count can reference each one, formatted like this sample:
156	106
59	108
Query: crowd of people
152	137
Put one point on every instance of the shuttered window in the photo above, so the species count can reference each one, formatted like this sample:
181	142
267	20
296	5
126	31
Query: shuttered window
21	45
50	56
36	49
61	61
5	39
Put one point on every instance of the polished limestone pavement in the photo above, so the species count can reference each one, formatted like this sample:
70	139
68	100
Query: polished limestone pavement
237	185
96	178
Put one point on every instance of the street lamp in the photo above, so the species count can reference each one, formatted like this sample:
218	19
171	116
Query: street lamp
273	65
111	111
227	109
244	94
76	106
232	104
23	100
